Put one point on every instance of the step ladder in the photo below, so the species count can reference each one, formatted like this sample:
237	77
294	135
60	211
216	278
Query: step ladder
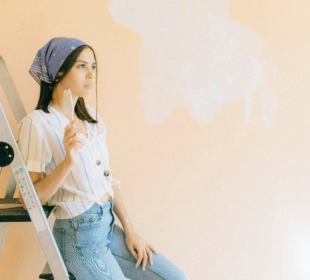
10	208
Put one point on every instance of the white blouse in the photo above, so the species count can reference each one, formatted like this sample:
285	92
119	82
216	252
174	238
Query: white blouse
40	140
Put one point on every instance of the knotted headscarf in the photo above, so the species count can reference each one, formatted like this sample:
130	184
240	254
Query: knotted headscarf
50	58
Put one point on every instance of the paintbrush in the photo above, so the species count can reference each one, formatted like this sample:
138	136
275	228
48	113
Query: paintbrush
69	104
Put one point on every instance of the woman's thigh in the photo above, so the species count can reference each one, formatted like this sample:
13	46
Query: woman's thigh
83	242
162	267
98	264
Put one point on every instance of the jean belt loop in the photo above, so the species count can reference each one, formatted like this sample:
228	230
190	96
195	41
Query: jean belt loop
73	222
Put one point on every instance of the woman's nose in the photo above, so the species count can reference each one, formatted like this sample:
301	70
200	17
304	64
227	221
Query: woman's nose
90	74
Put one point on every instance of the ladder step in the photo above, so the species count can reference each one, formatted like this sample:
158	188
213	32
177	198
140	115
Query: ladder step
51	277
47	274
15	213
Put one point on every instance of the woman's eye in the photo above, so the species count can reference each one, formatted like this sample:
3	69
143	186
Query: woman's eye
82	65
94	67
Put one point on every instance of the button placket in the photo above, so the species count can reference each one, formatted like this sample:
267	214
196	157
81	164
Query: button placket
106	172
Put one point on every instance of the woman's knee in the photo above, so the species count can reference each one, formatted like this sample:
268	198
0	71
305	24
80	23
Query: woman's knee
163	268
184	276
181	275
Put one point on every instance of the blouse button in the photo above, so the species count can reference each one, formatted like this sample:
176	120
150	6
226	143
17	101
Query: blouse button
76	230
98	161
80	219
106	173
92	218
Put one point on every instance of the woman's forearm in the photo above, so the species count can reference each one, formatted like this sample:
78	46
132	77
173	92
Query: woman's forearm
120	210
49	185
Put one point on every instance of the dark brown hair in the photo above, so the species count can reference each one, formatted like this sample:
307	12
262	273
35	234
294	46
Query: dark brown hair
46	89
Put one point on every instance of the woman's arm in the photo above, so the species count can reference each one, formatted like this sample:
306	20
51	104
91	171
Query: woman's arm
121	211
139	248
48	186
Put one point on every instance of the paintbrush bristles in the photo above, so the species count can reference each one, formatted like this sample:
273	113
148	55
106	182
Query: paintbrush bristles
69	102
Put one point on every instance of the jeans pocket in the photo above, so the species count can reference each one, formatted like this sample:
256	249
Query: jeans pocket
89	229
87	221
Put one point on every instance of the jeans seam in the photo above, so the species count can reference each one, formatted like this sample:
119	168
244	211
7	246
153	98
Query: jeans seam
112	223
64	245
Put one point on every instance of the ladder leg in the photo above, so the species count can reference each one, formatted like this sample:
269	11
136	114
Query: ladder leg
23	179
3	230
10	191
47	274
11	187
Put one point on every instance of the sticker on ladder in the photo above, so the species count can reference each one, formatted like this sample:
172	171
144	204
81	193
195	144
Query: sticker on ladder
29	199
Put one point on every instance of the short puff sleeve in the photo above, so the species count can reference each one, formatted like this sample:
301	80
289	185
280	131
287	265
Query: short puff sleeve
33	146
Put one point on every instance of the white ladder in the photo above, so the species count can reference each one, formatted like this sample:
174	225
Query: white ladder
10	209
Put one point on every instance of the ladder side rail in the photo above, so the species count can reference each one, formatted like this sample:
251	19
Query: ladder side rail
9	194
18	110
10	91
23	180
32	201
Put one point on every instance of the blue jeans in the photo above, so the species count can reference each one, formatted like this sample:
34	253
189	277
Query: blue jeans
91	250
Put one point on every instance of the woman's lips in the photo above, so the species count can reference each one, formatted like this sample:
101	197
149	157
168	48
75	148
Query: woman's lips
88	86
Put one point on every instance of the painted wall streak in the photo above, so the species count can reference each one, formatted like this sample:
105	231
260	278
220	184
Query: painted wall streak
192	55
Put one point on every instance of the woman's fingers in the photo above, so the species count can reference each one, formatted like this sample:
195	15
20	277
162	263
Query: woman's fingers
73	134
69	127
133	252
76	139
149	252
70	130
140	256
75	145
144	259
152	248
143	253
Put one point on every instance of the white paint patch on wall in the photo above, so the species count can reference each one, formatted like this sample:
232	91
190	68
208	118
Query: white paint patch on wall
193	55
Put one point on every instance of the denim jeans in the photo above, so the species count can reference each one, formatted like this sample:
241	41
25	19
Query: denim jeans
93	247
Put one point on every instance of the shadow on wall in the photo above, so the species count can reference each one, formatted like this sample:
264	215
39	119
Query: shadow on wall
193	55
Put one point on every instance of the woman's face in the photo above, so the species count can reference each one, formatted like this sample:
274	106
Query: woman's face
81	77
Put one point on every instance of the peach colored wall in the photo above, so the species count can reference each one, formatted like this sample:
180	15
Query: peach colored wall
223	200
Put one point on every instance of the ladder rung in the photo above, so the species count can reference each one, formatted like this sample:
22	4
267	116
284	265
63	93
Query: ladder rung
17	214
47	276
51	277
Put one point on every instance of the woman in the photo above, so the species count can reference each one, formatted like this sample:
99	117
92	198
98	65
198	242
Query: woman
69	165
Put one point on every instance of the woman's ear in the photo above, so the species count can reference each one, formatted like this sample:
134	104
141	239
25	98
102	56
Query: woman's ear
59	74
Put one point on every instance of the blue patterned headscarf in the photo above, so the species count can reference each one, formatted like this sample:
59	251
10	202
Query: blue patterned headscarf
50	58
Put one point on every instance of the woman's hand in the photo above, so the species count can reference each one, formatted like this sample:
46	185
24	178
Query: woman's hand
139	248
72	143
